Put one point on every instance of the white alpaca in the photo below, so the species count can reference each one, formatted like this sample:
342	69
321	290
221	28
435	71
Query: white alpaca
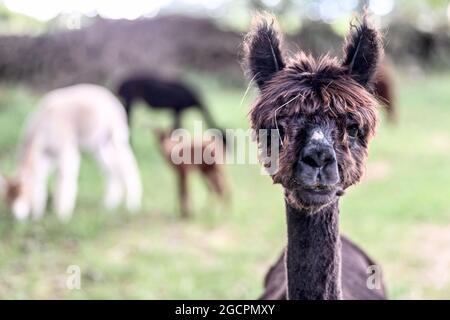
81	117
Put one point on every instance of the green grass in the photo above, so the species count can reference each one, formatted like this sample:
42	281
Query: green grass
400	213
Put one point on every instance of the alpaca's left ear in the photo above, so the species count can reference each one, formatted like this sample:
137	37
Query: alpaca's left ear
262	50
362	52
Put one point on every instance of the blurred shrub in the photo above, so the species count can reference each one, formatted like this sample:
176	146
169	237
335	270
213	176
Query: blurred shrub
107	50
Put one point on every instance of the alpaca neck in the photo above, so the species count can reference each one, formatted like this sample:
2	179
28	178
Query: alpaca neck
313	254
27	164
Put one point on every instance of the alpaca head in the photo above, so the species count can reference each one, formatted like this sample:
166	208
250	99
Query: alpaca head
15	195
322	108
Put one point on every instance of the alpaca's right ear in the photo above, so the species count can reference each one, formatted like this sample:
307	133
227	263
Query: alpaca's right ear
262	50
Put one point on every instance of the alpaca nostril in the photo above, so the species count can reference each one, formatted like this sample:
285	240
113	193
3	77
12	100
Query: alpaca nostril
327	158
311	161
317	158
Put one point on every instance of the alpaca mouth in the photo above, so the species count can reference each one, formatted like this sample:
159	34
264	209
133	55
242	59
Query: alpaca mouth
317	192
320	189
311	197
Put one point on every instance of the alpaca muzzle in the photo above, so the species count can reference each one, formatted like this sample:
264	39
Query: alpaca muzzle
317	166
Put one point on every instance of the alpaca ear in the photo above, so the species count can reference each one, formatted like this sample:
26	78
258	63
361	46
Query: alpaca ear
262	50
362	52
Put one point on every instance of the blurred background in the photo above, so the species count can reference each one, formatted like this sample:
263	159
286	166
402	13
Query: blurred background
400	212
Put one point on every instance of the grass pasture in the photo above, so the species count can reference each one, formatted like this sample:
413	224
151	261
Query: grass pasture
400	213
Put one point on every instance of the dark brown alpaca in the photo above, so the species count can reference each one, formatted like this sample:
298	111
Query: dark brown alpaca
161	93
325	116
210	169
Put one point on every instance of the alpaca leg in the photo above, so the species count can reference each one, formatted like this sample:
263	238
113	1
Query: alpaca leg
225	190
207	116
183	189
128	107
217	183
114	189
39	201
213	182
128	111
177	119
210	201
66	184
39	195
114	192
20	209
129	173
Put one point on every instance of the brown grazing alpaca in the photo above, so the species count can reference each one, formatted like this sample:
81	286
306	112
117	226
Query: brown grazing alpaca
210	169
384	90
325	116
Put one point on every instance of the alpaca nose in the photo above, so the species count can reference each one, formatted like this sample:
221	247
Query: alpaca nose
318	156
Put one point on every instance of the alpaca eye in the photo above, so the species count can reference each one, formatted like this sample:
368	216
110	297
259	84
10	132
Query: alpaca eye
353	130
